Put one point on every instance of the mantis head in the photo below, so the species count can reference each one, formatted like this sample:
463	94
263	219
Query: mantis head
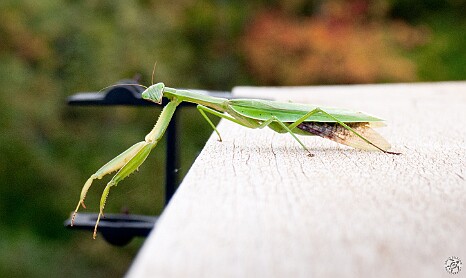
154	93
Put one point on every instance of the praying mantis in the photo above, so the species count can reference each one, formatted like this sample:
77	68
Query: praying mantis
343	126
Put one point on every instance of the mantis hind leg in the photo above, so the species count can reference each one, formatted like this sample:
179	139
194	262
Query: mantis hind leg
319	110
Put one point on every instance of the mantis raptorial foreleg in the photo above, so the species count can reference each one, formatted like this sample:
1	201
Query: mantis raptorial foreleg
131	166
112	166
125	163
128	161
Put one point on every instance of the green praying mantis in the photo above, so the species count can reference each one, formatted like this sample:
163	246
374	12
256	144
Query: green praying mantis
343	126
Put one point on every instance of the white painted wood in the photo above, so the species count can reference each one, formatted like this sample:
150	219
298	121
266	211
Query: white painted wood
255	205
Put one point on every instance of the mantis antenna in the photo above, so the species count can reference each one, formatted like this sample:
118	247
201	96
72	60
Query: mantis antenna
127	84
153	73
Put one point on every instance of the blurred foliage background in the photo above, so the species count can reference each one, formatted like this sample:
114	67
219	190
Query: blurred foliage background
52	49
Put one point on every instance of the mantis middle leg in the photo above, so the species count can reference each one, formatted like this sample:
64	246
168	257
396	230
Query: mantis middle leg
243	121
246	122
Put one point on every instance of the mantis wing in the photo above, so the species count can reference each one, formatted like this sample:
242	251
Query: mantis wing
290	112
339	134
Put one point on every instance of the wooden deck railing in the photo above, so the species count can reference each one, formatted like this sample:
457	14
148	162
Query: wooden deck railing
255	205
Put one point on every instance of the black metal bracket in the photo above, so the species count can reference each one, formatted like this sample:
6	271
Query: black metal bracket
119	229
116	229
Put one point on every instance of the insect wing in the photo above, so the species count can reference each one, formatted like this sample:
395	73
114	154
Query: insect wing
290	112
339	134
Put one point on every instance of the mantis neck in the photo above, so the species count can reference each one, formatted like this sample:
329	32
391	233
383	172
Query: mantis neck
216	103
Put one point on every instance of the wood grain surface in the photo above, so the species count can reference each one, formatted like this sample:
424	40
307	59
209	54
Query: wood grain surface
255	205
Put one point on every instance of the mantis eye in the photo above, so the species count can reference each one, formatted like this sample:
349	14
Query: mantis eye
154	93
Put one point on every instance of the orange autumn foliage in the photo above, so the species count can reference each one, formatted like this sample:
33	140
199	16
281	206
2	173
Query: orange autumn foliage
329	49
